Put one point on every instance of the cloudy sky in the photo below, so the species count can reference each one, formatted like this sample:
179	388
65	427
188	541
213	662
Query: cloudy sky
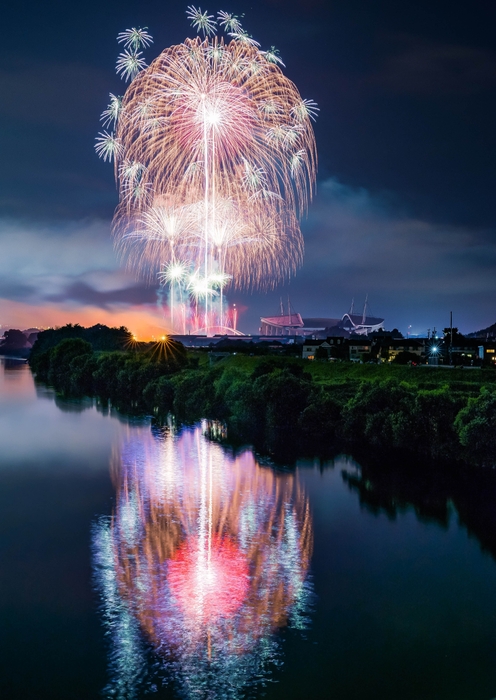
404	210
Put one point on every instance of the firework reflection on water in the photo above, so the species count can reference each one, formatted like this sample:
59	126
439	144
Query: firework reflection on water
205	557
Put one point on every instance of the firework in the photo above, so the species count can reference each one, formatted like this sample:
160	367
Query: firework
215	158
206	556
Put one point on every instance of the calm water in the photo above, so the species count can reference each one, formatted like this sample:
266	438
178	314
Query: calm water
139	561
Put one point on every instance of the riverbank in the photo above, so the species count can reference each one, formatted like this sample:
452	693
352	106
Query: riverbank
402	567
284	404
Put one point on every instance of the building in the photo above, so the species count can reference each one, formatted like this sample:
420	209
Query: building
487	353
360	324
310	347
319	327
390	349
285	324
463	351
359	349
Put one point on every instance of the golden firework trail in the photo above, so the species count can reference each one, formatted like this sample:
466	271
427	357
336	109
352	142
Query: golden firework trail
215	161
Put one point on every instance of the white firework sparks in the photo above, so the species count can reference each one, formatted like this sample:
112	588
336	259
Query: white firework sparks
201	21
129	64
107	146
135	38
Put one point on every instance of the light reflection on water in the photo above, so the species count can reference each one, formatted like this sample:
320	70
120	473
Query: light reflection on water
205	557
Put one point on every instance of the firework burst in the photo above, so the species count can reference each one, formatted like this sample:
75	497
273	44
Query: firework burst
215	158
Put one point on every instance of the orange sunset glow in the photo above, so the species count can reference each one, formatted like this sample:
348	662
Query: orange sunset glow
144	321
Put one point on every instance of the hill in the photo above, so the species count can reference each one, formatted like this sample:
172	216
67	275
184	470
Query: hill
489	332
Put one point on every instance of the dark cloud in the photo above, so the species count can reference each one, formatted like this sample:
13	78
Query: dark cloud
84	294
15	290
414	271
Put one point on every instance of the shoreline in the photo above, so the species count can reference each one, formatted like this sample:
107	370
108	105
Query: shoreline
284	405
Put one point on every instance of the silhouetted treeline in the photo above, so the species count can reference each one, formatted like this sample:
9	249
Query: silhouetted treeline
105	362
275	404
100	337
16	342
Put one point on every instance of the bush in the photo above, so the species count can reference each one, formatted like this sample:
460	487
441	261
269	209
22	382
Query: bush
82	368
106	373
476	428
379	414
320	420
435	411
61	356
159	395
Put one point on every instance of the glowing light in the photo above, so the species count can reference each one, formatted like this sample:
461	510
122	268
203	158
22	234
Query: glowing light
216	160
202	21
208	556
209	587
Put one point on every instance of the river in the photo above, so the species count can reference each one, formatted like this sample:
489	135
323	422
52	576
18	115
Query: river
139	561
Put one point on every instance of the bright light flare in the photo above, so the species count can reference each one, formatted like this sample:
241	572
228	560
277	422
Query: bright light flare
201	287
173	272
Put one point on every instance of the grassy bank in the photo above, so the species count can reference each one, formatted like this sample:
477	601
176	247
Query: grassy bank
287	405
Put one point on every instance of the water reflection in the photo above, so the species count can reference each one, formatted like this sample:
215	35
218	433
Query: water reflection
206	556
435	495
16	383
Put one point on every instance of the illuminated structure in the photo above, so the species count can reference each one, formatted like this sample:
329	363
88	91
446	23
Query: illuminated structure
205	557
215	160
294	324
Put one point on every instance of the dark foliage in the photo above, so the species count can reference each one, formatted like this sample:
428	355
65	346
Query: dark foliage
476	427
77	366
100	338
274	403
13	340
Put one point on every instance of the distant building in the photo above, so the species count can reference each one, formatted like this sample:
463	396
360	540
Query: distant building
310	347
487	352
360	324
320	327
358	349
390	349
288	324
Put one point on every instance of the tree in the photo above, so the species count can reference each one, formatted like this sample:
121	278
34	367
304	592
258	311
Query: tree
14	339
61	357
453	333
404	358
379	413
476	427
321	353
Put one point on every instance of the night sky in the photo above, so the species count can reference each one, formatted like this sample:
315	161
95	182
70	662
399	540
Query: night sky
405	203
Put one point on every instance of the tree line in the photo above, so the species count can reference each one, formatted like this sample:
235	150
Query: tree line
274	403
